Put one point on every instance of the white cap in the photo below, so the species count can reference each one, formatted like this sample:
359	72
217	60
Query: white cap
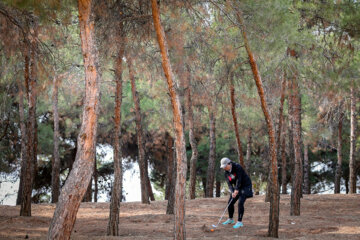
224	161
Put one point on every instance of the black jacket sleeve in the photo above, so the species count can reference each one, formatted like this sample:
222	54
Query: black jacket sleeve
228	182
239	176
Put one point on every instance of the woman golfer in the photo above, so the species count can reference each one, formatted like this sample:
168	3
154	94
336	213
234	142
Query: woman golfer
240	187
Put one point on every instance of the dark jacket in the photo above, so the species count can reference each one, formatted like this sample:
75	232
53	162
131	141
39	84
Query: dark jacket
237	177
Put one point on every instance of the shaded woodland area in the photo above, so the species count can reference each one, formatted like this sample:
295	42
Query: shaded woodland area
174	86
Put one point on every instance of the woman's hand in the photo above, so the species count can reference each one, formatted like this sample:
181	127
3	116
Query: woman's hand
235	193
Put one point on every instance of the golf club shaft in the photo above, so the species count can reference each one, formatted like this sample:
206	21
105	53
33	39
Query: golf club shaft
224	211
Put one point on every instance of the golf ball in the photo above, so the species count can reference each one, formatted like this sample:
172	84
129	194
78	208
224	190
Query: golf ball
212	230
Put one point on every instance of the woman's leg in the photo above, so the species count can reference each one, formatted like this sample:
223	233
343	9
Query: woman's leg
241	209
231	206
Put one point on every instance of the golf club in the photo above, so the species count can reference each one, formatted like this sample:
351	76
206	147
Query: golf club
214	226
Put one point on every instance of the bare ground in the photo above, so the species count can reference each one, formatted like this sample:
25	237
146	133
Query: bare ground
322	217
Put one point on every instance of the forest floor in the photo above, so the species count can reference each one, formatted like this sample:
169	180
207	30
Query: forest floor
322	217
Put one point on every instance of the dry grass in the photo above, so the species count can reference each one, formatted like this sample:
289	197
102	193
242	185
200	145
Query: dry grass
322	217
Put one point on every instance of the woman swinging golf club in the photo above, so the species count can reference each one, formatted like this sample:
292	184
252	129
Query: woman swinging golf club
236	175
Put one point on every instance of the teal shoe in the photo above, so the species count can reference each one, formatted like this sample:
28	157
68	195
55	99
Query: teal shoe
229	221
238	224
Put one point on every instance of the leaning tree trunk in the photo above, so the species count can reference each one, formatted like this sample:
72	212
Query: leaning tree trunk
25	209
140	141
298	168
236	127
23	124
113	224
75	187
352	173
274	201
55	172
195	153
306	169
338	171
179	230
212	154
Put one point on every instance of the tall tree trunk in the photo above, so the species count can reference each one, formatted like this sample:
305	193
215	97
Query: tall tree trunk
306	169
352	173
25	209
281	116
283	164
212	153
203	180
194	153
298	168
87	196
218	188
23	124
55	172
338	171
236	127
170	209
75	187
347	184
274	202
116	193
179	230
170	165
248	148
290	134
96	189
278	136
140	141
148	183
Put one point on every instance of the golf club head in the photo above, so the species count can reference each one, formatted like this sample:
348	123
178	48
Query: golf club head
214	226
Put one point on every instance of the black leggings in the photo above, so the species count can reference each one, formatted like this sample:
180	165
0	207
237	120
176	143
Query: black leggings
242	199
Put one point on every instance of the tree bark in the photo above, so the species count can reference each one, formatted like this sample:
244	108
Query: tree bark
75	187
116	193
283	164
55	172
352	173
298	168
278	135
338	171
25	209
290	134
23	125
281	116
306	170
274	202
218	188
139	131
148	183
179	230
96	189
194	153
170	209
236	127
212	153
87	196
248	148
170	165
